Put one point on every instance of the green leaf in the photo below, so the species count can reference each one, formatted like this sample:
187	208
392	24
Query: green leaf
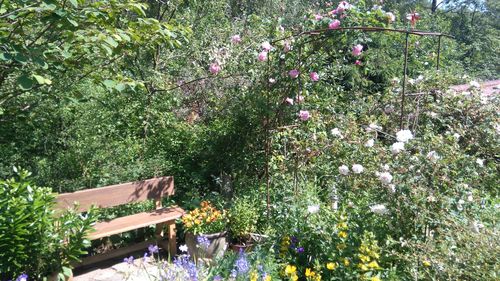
73	22
74	3
111	42
5	56
25	82
109	84
120	87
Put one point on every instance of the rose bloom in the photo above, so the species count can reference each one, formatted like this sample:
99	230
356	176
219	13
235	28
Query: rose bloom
318	16
357	169
214	68
236	39
334	24
390	16
287	47
370	143
404	135
299	99
294	73
336	133
314	76
357	62
262	56
289	101
413	18
379	209
312	209
304	115
433	156
385	177
397	147
356	50
344	170
266	46
272	80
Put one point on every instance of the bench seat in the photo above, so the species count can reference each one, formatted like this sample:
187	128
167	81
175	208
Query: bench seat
122	224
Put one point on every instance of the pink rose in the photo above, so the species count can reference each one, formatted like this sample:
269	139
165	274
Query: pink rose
358	62
299	99
314	76
266	46
294	73
318	17
262	56
236	39
413	18
287	47
356	50
214	68
289	101
334	24
304	115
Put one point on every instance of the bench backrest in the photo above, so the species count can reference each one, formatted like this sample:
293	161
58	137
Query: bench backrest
118	194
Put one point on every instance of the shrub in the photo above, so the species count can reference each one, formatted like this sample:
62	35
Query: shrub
243	217
32	239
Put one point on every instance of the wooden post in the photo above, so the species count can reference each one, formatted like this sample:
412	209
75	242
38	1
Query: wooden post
439	52
172	244
405	68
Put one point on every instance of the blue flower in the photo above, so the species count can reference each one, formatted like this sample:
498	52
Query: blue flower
241	264
22	277
300	249
153	249
203	241
217	278
129	260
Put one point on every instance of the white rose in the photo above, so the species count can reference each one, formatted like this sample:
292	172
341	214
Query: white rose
397	147
313	209
404	135
336	133
480	162
433	156
379	209
370	143
357	169
385	177
344	170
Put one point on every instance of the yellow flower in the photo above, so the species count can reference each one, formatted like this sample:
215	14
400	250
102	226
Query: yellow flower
375	278
331	265
254	276
267	278
290	269
363	267
346	262
342	225
426	263
309	272
342	234
295	277
364	258
373	265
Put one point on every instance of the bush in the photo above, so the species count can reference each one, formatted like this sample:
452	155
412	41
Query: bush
243	217
33	240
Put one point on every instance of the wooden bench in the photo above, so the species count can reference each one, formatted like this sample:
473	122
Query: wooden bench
124	193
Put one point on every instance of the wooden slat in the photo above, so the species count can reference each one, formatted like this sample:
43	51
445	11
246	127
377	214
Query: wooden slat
114	195
116	253
119	225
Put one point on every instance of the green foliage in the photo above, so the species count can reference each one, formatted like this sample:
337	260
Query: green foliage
243	218
33	239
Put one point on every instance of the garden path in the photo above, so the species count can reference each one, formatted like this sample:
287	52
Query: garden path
139	271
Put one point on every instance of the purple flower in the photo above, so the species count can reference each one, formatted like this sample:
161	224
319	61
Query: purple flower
300	249
203	241
129	260
241	264
294	73
146	257
217	278
234	273
22	277
153	249
304	115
